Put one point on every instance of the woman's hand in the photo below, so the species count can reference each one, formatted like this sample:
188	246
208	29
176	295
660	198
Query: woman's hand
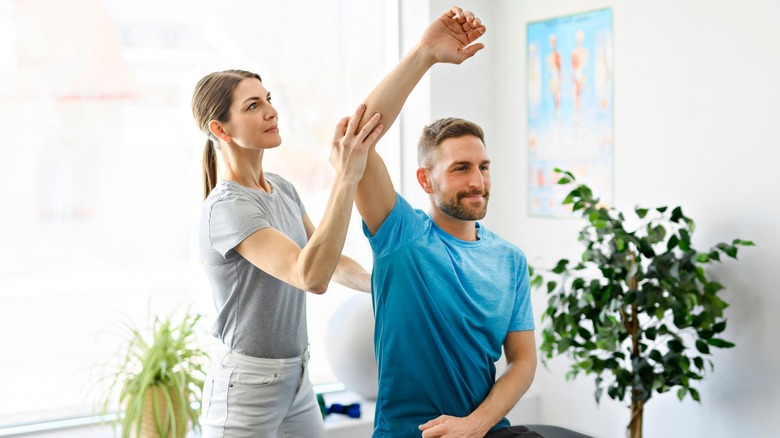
350	145
449	39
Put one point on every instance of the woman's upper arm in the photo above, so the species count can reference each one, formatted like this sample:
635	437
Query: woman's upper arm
283	264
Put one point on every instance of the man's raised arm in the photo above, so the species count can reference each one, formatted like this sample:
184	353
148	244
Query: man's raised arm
447	39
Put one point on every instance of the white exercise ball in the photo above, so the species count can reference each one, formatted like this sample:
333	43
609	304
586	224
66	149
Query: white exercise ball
349	346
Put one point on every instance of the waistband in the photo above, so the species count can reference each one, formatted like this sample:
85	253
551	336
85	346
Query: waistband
251	361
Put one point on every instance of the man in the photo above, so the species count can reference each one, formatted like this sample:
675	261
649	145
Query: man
448	293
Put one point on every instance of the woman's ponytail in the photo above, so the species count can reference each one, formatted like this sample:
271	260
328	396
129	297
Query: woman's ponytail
209	168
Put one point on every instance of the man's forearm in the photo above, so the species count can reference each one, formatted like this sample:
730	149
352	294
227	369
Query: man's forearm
506	392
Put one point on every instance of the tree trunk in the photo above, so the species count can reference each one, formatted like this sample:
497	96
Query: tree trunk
637	405
635	426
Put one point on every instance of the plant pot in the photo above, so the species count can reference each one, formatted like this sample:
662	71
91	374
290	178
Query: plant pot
155	400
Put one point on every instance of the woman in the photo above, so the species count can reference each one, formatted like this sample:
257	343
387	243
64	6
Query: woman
261	252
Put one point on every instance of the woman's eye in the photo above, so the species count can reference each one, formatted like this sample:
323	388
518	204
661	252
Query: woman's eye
252	106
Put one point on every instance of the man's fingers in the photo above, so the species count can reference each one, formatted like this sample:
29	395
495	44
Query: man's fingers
469	51
431	423
438	430
455	13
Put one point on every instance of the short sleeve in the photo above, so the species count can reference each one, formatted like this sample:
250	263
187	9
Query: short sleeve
232	219
402	225
523	316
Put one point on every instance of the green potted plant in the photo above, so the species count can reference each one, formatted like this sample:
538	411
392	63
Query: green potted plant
639	310
157	384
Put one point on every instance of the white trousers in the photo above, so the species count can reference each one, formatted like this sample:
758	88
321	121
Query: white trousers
246	396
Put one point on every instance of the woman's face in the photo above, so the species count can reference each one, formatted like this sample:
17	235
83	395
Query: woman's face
253	120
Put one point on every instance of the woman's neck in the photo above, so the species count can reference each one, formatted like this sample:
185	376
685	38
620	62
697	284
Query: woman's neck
245	167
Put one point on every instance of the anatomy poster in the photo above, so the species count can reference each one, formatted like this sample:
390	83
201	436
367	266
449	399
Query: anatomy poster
569	108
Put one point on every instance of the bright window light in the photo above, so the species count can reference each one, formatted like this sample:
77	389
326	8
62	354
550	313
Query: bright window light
101	180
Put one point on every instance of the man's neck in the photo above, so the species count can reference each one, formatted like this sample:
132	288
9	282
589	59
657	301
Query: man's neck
457	228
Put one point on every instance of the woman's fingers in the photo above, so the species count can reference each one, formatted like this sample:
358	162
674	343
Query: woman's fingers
354	122
370	127
341	127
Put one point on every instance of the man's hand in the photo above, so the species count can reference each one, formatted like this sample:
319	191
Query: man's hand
452	427
449	38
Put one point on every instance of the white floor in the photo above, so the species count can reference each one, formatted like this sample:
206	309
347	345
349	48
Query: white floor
336	425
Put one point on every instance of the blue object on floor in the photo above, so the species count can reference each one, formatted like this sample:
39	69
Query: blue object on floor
351	410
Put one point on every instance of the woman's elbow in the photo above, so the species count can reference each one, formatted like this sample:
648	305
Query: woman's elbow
316	284
318	289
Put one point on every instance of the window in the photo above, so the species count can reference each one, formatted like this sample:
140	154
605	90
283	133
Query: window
101	179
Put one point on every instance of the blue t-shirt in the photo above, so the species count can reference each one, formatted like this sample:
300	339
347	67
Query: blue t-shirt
443	307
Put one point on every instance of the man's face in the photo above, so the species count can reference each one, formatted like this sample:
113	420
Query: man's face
460	178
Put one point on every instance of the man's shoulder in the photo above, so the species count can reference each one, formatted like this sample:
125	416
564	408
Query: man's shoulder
497	241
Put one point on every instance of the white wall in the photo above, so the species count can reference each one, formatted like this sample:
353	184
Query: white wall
696	88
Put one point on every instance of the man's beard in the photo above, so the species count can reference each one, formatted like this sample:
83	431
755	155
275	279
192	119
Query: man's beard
454	208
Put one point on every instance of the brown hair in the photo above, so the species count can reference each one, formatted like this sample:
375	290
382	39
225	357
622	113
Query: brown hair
211	100
435	133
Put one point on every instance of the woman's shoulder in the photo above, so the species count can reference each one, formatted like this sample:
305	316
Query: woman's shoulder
281	183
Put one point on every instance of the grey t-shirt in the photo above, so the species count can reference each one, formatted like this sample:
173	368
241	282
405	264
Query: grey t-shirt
258	315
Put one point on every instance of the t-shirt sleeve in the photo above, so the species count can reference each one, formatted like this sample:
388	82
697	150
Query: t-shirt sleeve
232	219
523	317
401	226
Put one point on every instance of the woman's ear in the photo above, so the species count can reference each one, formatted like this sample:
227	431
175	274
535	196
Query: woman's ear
218	130
424	178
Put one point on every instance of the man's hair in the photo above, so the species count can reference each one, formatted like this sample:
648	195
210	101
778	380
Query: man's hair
435	133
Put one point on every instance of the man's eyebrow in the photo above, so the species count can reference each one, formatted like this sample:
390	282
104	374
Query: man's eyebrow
463	162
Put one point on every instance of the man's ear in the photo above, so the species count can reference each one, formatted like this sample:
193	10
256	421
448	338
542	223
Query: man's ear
218	130
424	178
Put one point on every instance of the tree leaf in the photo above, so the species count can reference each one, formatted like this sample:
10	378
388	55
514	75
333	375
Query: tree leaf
672	242
719	327
712	287
560	267
720	343
677	214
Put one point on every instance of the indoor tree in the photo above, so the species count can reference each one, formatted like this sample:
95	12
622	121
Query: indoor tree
639	310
